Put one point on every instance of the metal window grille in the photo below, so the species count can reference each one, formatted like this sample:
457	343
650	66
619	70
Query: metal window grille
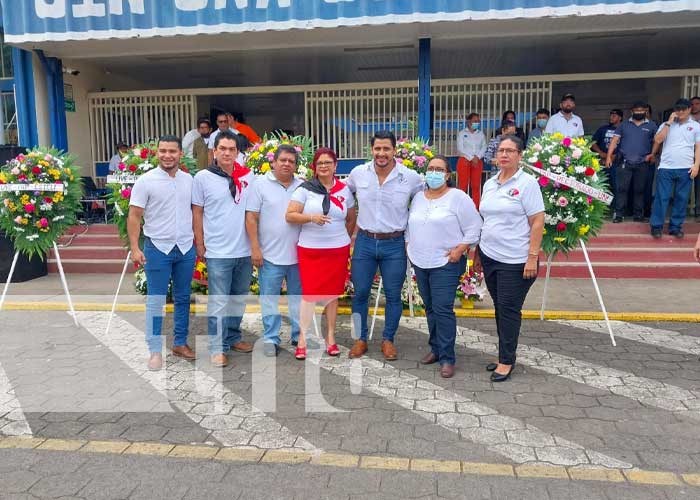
690	86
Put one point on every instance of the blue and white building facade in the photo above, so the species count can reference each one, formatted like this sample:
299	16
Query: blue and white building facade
87	73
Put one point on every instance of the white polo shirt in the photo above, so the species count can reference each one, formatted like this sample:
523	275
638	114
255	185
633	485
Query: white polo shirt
437	226
679	146
384	209
167	204
225	236
332	235
270	199
471	144
568	128
505	235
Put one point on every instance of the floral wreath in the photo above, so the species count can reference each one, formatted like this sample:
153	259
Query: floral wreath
262	154
414	154
140	159
570	216
34	220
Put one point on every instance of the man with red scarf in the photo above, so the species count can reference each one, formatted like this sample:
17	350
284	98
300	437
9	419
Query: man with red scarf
219	197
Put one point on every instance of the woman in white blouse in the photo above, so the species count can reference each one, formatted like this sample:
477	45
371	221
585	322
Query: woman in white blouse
442	224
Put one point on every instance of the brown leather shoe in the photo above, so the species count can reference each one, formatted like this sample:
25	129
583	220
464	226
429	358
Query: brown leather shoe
358	349
155	362
184	351
446	371
219	360
388	350
242	347
429	359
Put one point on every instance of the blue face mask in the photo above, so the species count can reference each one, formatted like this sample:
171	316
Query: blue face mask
435	180
476	126
542	123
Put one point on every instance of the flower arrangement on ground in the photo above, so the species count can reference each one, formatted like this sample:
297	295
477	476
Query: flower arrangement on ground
570	215
35	219
414	154
200	278
471	285
140	159
260	157
413	284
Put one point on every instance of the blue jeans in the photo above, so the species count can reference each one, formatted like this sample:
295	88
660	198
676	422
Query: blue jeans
160	269
437	288
229	284
390	256
676	183
270	276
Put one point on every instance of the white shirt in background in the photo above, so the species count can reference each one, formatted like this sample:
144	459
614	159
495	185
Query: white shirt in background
332	235
167	204
679	145
471	144
437	226
572	127
188	141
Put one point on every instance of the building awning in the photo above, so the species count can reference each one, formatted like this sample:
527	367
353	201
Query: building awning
35	21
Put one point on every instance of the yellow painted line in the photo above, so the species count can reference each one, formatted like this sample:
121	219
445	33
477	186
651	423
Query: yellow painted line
206	452
346	311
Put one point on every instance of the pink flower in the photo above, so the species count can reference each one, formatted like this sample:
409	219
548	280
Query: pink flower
126	193
21	158
29	208
566	142
297	149
562	202
576	154
537	147
18	219
122	167
270	156
44	222
589	200
555	160
543	181
420	160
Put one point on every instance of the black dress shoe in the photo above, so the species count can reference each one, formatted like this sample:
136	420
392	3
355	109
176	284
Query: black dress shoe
656	233
677	234
617	220
491	367
497	377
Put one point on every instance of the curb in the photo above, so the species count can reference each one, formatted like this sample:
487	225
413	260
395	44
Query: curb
346	311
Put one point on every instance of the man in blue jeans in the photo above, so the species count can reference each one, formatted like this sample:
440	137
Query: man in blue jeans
384	188
273	245
219	196
162	198
680	160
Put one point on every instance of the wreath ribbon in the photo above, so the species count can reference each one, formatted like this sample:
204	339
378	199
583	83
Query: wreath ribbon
574	184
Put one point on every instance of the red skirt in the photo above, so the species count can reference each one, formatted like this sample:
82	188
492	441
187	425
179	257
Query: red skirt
323	271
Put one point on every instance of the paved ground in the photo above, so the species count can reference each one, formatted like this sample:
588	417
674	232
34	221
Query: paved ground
580	418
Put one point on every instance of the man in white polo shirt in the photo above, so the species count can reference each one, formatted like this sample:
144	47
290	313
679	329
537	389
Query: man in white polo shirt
680	161
565	121
384	189
162	198
219	197
274	244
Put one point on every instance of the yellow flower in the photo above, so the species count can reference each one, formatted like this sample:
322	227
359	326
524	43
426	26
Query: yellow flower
265	168
43	163
24	199
25	221
559	239
544	230
255	155
3	177
408	163
570	170
580	141
557	136
58	196
67	171
596	164
429	154
583	229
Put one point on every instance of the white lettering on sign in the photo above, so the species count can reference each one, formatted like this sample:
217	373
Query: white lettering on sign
52	10
121	179
188	5
116	7
32	187
88	8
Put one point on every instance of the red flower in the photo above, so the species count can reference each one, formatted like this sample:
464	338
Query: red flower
197	275
566	142
561	227
132	168
564	187
184	169
29	208
144	153
590	172
48	200
36	170
538	164
544	181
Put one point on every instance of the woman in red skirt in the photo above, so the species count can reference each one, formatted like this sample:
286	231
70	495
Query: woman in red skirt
325	209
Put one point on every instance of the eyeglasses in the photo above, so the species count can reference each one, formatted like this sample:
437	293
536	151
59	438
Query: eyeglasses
325	163
507	151
436	169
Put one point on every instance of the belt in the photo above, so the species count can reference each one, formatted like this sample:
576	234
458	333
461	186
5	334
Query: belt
381	236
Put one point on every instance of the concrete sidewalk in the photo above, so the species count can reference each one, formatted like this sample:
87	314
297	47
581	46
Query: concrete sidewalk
565	294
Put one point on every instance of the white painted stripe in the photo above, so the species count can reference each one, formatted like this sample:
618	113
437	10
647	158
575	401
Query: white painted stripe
205	401
501	434
12	419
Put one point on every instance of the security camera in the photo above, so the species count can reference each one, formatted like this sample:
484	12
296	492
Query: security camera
71	71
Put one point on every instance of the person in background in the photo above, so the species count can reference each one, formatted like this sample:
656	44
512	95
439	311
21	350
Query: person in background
695	115
442	224
509	116
239	123
633	143
471	144
513	211
601	142
565	121
325	209
651	172
122	151
490	157
273	244
162	198
194	134
541	119
680	161
199	147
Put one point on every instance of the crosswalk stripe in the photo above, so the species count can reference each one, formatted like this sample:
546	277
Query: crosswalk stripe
12	419
501	434
207	402
667	339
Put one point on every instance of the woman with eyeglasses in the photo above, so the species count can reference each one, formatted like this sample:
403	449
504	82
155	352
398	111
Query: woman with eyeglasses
442	224
513	211
325	209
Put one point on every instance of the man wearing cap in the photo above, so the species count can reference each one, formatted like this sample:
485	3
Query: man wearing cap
633	142
680	161
122	151
565	121
602	138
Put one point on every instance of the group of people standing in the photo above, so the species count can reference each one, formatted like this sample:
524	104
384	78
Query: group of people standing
301	232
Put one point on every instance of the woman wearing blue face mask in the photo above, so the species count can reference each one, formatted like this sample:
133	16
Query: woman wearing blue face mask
442	224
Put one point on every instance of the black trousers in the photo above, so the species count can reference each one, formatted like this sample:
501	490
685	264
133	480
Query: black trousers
635	174
508	290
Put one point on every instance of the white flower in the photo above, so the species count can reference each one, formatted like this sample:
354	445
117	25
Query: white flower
58	217
32	237
137	151
119	210
146	166
46	207
15	171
